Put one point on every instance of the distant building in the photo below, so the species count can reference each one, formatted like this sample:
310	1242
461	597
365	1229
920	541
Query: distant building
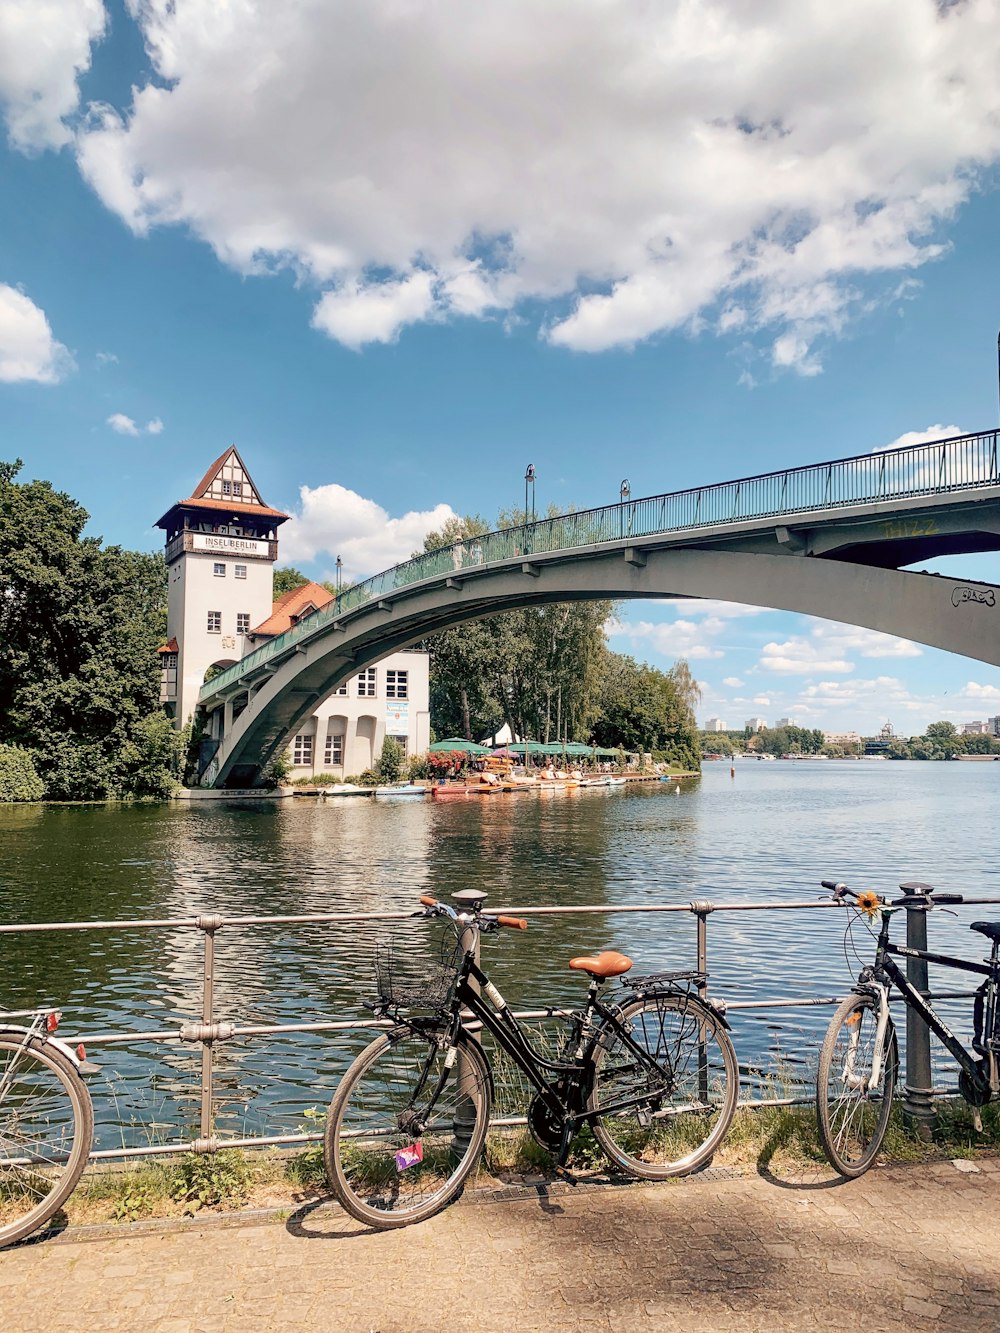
975	728
786	722
841	738
755	724
715	724
994	725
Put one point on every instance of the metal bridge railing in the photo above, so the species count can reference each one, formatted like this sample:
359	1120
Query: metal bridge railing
214	1029
967	462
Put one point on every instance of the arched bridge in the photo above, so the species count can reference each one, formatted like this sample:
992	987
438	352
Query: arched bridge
827	540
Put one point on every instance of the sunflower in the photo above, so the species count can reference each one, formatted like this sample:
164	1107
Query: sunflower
868	902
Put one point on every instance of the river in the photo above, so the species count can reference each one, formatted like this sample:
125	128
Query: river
770	834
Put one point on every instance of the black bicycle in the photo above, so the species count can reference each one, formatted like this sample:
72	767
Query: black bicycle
859	1061
652	1072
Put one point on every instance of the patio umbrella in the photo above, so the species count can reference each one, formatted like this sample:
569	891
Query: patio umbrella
459	743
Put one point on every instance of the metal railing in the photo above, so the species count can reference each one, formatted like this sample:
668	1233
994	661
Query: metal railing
213	1030
962	463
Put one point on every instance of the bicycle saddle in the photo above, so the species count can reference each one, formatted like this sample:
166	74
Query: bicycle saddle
991	929
603	965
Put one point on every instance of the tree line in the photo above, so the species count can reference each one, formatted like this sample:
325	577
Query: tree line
941	740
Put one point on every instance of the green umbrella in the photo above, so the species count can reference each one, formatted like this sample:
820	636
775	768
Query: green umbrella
458	743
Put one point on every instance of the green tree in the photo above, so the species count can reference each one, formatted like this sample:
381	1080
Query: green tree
79	627
391	760
645	709
18	779
285	580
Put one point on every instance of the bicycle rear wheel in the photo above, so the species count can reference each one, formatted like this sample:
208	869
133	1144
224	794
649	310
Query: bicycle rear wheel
405	1129
665	1111
852	1110
46	1128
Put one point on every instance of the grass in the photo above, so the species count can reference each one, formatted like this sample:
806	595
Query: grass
775	1140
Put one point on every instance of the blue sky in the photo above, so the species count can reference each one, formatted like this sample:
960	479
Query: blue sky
395	253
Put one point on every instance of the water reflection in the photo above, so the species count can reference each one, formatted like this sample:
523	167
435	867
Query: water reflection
769	836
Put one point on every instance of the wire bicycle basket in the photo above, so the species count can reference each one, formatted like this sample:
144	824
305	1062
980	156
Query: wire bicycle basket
423	984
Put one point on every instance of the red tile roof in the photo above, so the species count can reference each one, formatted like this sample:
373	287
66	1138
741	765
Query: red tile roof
169	647
210	475
289	607
236	506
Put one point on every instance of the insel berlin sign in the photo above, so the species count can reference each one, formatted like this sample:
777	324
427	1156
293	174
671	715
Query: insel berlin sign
232	545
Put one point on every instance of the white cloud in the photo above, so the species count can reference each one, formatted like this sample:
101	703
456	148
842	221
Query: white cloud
106	359
44	46
28	350
654	167
124	425
828	647
911	437
986	693
733	682
340	522
710	608
681	638
762	700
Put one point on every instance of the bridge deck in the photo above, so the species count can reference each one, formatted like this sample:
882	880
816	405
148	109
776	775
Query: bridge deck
947	468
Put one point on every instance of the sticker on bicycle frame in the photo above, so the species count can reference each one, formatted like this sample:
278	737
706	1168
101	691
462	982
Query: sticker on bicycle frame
409	1156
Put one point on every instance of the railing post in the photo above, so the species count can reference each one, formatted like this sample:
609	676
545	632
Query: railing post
465	1114
208	925
701	909
918	1108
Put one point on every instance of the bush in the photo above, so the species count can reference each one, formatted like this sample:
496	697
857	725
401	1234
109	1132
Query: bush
417	768
18	779
390	764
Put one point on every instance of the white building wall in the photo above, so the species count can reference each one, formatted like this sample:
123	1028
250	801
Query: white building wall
194	590
361	722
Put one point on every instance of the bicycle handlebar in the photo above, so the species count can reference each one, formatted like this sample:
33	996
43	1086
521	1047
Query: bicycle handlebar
928	898
439	909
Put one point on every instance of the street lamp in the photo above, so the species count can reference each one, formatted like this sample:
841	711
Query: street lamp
529	479
624	490
340	580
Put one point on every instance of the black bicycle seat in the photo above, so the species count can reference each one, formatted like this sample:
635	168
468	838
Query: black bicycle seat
991	929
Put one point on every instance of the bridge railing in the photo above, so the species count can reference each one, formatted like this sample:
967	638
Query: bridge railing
966	462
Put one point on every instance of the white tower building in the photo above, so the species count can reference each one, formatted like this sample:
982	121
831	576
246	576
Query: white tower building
222	543
221	546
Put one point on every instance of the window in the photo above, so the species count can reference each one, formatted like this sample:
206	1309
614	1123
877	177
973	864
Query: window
227	488
334	756
242	622
215	622
237	488
341	689
366	683
239	571
395	684
219	570
302	751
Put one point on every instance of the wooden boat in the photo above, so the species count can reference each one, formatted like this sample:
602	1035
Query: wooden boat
400	790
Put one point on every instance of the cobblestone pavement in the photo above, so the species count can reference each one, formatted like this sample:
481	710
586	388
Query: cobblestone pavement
903	1248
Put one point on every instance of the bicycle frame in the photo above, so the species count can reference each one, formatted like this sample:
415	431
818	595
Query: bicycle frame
510	1036
887	973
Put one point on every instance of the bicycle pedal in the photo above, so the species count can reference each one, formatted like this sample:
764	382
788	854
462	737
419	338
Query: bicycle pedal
564	1174
977	1119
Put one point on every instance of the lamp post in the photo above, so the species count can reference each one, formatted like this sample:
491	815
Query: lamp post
625	490
340	580
529	479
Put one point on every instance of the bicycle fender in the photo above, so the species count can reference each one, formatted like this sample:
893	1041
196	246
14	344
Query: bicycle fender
44	1039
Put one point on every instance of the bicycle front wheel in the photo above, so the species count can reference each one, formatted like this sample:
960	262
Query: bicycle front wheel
853	1108
663	1098
46	1127
405	1127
